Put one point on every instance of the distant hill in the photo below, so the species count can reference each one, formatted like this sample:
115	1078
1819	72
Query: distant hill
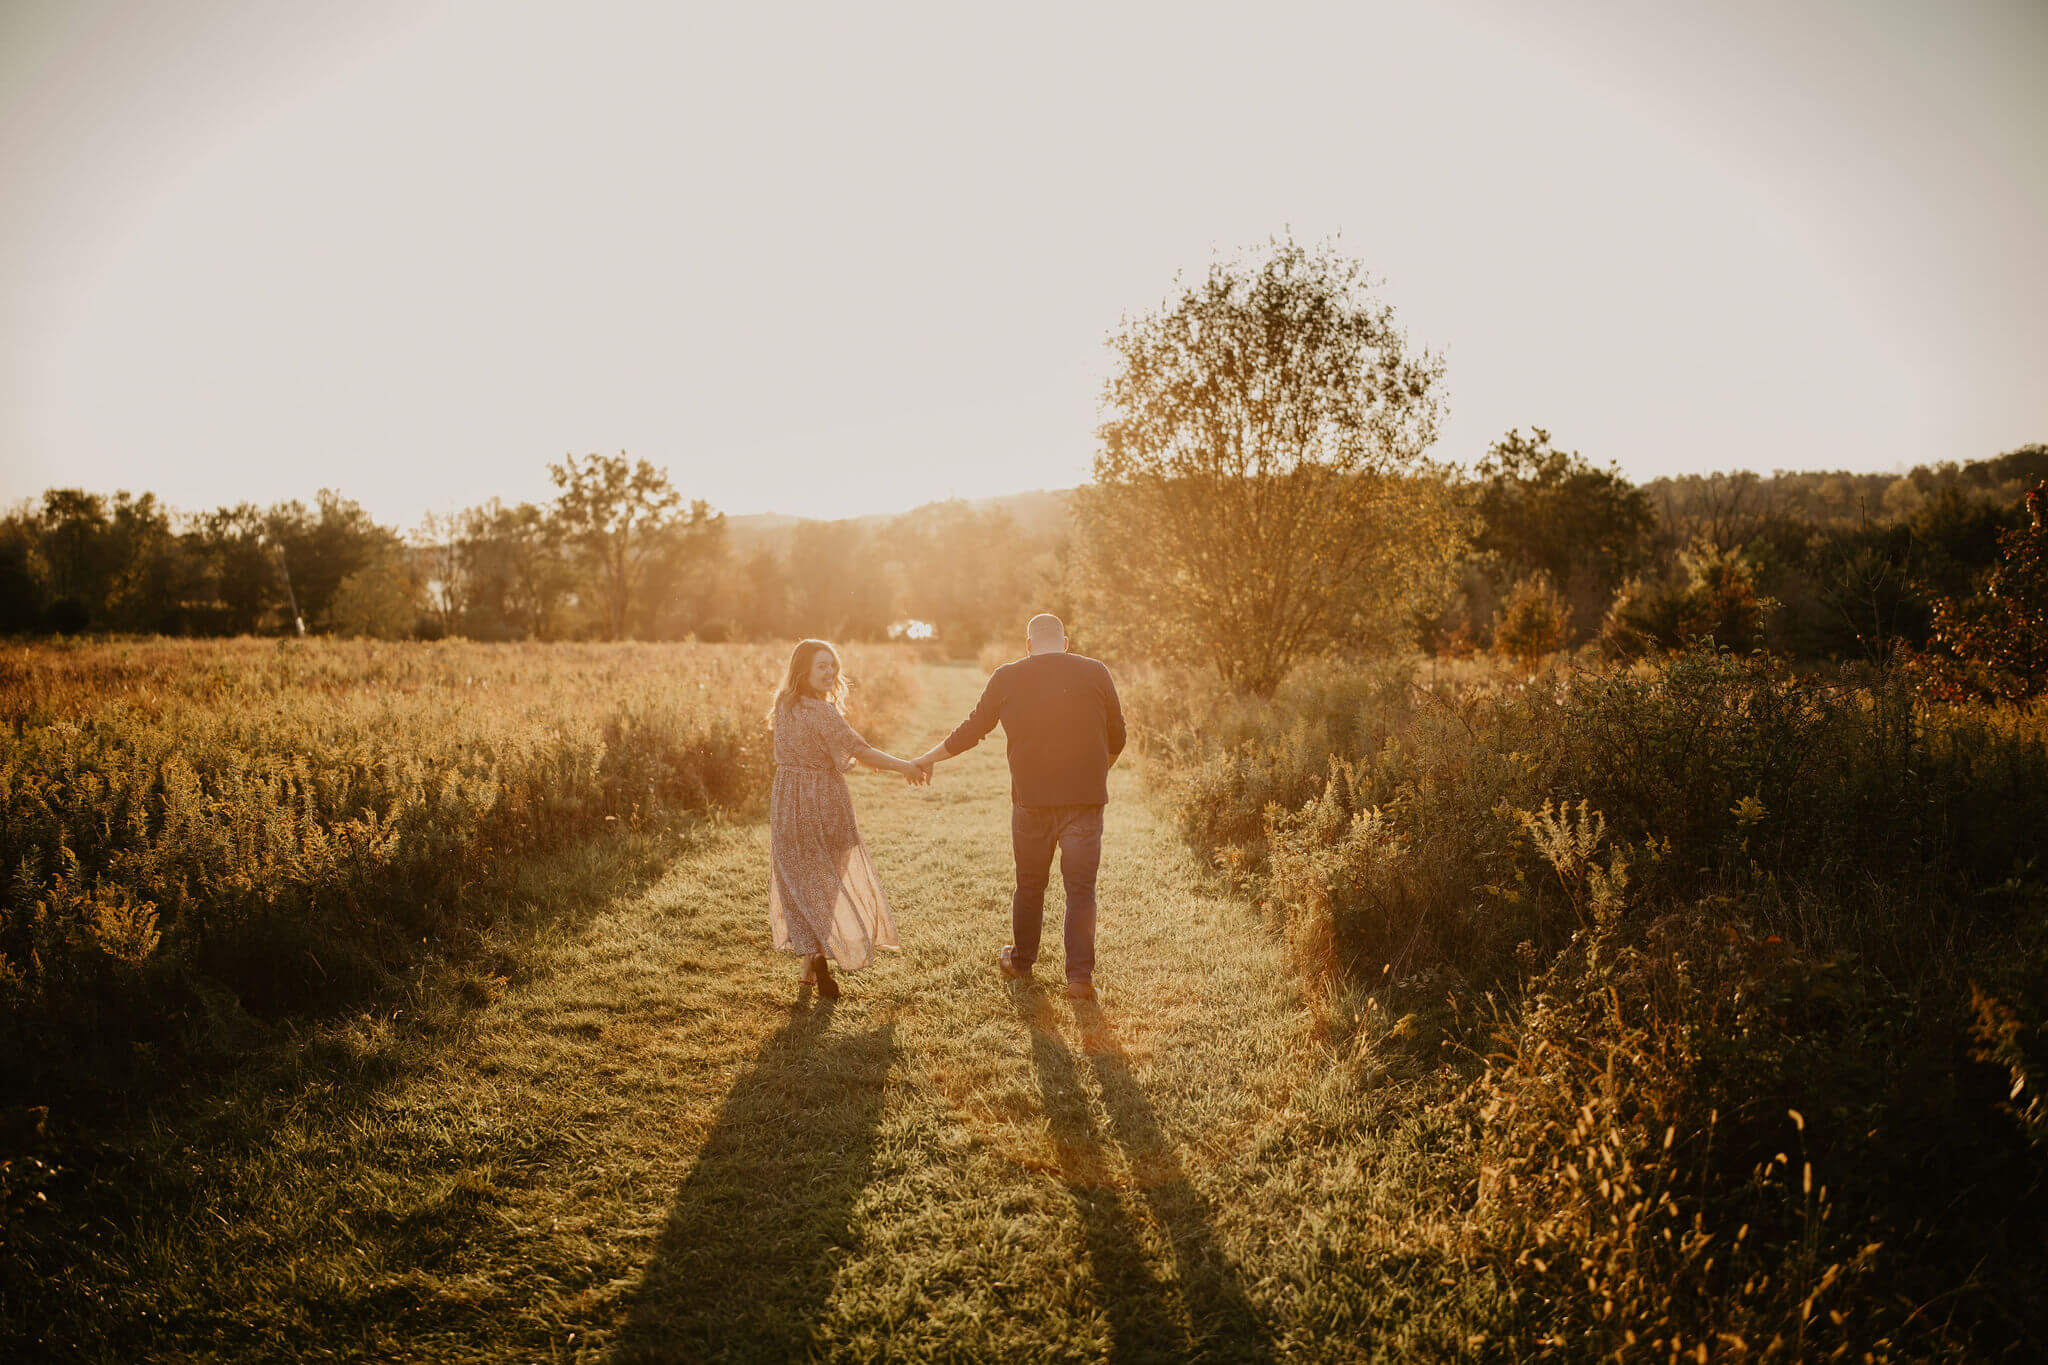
1041	512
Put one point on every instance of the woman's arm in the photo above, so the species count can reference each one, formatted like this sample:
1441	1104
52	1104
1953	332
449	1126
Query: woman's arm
875	758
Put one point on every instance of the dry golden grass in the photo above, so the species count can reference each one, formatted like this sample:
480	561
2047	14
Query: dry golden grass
288	821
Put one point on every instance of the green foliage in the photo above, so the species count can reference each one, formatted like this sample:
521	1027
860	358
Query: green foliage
317	550
1712	597
1547	512
1996	643
380	601
510	579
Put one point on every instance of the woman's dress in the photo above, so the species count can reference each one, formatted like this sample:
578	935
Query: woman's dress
823	894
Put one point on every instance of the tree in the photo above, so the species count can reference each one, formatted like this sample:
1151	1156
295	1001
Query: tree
764	596
239	568
514	572
1260	492
156	580
689	587
1719	509
973	575
21	577
1547	511
438	562
1532	621
380	600
78	548
839	587
317	551
615	514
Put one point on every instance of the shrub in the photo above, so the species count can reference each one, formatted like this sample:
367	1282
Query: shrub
1695	895
1644	1199
1996	642
1532	621
1712	597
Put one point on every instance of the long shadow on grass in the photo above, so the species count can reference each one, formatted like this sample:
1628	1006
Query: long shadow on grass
1204	1314
745	1262
146	1141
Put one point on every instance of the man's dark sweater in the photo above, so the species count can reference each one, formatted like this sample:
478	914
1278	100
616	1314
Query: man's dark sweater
1064	723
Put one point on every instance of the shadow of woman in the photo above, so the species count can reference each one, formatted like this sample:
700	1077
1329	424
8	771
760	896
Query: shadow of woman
745	1261
1205	1313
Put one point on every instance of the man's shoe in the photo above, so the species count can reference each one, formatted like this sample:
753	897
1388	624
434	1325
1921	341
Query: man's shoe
1080	990
1011	969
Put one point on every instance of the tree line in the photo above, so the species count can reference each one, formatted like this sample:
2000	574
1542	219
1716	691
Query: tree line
1264	492
1815	565
1531	550
617	554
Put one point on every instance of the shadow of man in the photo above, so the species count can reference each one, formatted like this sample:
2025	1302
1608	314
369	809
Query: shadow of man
1204	1313
745	1261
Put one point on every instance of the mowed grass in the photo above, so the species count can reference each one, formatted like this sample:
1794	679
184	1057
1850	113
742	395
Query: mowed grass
655	1146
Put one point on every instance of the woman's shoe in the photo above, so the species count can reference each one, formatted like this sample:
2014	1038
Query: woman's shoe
828	989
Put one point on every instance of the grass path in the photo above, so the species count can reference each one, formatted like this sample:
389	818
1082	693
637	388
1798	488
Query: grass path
658	1148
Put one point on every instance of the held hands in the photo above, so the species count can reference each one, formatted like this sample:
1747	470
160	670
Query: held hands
920	773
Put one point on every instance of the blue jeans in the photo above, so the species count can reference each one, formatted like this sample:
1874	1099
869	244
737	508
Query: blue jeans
1035	831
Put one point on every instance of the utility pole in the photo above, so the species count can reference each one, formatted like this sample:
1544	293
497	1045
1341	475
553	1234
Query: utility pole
298	621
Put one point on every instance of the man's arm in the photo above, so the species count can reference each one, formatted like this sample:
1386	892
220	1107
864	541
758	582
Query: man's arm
971	731
1113	718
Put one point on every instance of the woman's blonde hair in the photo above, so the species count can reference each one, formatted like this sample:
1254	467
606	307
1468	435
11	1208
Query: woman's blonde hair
796	682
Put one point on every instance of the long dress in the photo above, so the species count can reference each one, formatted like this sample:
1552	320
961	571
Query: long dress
823	894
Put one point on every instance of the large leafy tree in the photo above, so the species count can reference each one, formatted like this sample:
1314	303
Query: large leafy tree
1260	492
617	514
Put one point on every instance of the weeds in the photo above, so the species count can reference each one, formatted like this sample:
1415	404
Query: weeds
1709	936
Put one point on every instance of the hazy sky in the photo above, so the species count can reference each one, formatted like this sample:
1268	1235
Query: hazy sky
835	259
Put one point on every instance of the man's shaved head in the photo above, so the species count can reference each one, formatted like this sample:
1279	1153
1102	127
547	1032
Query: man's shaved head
1046	632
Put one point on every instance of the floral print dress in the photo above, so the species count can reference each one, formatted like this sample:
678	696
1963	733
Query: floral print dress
823	894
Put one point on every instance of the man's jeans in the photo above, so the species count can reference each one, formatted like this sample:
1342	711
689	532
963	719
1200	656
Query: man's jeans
1034	832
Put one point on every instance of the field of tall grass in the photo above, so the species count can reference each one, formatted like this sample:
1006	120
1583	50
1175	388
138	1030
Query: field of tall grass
1733	981
199	831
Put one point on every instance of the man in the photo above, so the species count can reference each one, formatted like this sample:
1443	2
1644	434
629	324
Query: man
1065	728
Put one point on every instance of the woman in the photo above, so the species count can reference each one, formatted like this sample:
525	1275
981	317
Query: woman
824	899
